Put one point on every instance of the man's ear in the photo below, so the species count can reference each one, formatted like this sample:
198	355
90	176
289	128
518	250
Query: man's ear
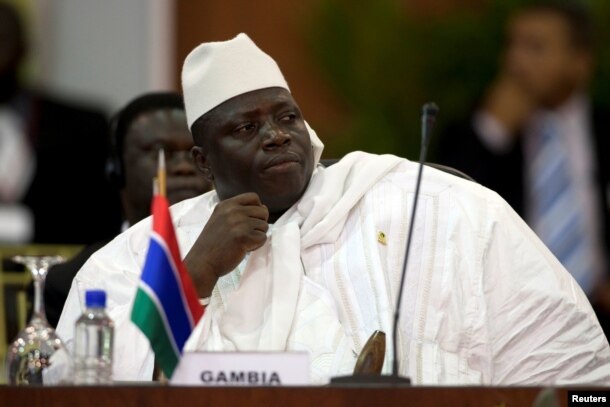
200	158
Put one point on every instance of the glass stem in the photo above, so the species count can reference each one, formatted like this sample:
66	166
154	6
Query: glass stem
38	311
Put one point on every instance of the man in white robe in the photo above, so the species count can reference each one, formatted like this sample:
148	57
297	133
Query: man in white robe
293	256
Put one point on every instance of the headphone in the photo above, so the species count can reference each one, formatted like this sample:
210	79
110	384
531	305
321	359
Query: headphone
114	161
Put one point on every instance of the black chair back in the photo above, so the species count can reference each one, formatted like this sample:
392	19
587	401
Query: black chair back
445	168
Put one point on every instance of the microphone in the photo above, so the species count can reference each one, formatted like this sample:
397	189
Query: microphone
428	119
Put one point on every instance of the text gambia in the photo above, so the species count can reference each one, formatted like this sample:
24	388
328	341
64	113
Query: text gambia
250	378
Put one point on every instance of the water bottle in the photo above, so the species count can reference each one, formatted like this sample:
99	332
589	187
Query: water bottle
93	337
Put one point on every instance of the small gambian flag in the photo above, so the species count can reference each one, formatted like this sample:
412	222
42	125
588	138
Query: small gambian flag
166	307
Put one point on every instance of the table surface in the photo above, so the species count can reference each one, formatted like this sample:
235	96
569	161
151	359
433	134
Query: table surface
382	396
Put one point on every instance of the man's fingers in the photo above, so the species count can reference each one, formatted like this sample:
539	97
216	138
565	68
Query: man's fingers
247	204
251	229
259	225
258	212
248	198
257	241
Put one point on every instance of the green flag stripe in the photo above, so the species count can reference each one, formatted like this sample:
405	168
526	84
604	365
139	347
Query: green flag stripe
152	296
145	315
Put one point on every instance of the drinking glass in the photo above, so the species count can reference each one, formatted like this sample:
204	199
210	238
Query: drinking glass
37	356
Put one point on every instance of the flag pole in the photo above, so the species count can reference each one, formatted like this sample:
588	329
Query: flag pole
161	176
155	186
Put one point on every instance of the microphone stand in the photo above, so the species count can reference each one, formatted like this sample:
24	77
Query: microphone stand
429	113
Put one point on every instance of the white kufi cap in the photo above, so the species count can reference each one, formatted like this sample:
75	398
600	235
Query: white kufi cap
214	72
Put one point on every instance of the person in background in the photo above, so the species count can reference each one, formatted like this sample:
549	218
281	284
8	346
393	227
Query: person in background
52	155
146	124
539	142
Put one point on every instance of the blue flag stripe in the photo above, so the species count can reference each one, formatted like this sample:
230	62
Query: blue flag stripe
161	241
160	276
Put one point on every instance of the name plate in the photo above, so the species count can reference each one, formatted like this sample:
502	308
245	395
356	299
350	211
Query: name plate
242	369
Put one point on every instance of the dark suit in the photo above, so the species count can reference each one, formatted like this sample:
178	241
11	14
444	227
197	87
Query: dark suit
461	147
70	197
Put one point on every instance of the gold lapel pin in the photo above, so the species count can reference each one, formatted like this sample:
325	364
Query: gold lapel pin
381	238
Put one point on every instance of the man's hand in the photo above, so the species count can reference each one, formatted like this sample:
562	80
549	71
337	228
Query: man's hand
509	102
237	226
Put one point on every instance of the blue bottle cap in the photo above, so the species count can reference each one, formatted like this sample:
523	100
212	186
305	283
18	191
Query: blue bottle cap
95	298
